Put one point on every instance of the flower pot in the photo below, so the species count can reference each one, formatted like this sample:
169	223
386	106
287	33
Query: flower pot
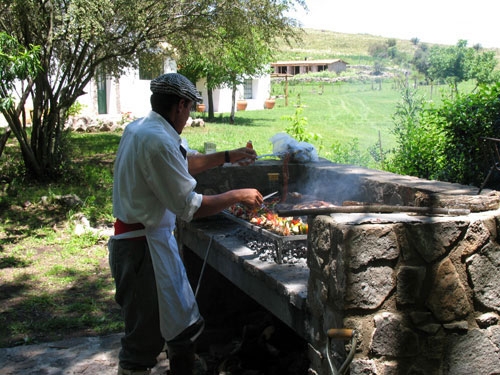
241	105
269	103
200	107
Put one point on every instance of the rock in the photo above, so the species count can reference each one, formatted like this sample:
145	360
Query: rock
362	367
447	299
473	353
369	289
197	123
487	320
370	242
409	284
431	328
477	236
457	326
69	200
474	203
432	240
392	337
484	272
420	317
106	126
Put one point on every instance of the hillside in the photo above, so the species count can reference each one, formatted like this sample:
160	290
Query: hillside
321	44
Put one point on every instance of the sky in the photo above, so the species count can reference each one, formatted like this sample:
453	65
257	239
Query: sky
431	21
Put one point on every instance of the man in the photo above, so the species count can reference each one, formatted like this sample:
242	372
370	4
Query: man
153	185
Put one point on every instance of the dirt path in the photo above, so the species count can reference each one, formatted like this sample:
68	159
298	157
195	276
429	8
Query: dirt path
82	356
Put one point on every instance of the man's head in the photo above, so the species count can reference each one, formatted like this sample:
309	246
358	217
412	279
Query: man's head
173	95
175	84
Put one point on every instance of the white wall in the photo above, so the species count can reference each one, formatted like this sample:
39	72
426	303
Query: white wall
131	94
261	88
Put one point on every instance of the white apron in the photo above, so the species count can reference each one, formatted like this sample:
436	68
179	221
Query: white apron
176	300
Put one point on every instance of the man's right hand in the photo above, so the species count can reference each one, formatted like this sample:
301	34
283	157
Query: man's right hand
251	198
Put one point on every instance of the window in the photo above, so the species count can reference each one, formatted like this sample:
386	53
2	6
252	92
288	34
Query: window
247	89
282	70
150	66
322	68
296	70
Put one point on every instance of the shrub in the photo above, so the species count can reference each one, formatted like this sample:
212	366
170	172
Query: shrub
445	143
418	138
465	120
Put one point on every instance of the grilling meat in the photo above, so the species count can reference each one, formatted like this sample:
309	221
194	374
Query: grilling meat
311	204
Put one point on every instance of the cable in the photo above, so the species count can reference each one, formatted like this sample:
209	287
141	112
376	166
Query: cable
203	267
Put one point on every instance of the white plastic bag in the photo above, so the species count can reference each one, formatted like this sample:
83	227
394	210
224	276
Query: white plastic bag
301	152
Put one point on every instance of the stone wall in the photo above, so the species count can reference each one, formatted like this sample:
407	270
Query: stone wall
422	293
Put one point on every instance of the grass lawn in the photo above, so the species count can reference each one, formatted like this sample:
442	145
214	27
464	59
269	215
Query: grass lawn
338	113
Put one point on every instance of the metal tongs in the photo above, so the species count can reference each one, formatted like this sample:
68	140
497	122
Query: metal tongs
267	197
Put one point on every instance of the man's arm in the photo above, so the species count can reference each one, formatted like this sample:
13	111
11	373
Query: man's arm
213	204
200	162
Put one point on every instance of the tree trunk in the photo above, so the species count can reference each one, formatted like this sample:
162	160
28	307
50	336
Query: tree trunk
211	115
233	103
43	151
3	140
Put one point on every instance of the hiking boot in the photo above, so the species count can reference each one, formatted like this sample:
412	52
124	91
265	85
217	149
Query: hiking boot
122	371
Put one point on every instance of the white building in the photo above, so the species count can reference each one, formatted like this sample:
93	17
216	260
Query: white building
294	67
130	94
112	98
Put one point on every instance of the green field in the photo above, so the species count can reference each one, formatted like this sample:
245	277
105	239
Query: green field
337	112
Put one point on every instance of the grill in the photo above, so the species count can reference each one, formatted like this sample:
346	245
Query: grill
281	242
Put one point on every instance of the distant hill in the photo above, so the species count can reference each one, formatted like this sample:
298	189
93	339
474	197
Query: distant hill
353	48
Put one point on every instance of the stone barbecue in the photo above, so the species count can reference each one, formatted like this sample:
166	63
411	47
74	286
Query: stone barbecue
420	291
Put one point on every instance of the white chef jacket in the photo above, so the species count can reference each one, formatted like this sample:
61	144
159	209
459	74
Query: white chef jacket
152	186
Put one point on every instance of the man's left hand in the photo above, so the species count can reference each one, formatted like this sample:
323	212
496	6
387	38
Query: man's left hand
243	156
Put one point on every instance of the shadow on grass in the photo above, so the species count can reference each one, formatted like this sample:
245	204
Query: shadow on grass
11	261
90	144
83	307
241	121
24	222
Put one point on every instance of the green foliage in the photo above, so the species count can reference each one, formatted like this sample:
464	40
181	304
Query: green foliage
445	143
75	109
455	64
109	37
16	60
348	153
482	67
298	125
16	63
464	120
418	138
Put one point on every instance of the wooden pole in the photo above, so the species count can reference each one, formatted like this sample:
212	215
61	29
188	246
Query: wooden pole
376	208
286	90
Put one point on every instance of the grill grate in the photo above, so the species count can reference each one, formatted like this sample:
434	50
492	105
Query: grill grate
280	241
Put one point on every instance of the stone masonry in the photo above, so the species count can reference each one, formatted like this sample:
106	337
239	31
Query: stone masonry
422	293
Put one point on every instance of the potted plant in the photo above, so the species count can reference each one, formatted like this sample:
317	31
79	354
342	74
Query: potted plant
241	104
269	103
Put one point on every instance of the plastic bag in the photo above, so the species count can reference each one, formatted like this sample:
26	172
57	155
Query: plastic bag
301	152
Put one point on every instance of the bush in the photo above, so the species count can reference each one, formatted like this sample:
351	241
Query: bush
445	143
465	120
418	138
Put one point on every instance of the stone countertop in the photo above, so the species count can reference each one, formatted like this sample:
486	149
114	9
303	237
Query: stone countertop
281	288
